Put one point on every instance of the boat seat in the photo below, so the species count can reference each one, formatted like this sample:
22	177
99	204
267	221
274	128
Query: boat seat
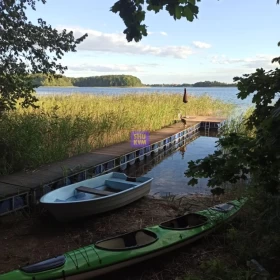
142	238
93	191
128	241
120	185
132	181
115	243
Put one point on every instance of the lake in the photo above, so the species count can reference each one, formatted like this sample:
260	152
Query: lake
168	170
227	94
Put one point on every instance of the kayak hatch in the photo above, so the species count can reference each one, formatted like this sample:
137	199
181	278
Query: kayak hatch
45	265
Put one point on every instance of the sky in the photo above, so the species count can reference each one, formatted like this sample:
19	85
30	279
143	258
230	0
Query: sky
230	38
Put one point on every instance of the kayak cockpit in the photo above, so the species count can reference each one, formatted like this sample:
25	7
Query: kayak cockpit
187	221
131	240
44	265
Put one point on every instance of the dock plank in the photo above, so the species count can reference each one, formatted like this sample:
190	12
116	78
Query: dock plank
6	189
55	171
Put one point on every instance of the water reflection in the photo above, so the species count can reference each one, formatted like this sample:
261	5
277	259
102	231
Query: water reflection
168	168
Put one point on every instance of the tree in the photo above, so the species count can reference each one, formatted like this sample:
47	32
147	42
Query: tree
132	13
257	155
27	49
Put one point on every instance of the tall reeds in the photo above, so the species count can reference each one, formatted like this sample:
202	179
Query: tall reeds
68	125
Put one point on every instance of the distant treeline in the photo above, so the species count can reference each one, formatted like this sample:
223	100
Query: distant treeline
112	81
108	81
48	81
198	84
94	81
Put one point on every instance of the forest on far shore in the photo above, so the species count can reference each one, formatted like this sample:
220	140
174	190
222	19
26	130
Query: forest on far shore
112	81
198	84
93	81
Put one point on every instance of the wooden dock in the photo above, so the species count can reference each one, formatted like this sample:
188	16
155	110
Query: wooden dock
21	189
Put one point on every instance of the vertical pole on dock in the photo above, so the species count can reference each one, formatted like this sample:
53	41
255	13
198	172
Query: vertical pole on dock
185	99
207	128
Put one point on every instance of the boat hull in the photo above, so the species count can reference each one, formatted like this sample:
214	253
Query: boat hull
94	196
68	211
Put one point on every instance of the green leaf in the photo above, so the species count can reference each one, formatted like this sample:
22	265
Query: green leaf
140	16
188	13
178	11
192	2
194	9
115	8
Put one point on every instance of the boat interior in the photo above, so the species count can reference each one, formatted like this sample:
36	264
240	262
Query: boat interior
187	221
131	240
110	186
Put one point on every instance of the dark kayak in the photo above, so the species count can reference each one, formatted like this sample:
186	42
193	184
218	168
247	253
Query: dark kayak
123	250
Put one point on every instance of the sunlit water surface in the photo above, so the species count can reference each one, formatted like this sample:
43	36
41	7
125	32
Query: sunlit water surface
168	171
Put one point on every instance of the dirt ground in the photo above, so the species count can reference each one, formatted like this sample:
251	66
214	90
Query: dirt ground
29	237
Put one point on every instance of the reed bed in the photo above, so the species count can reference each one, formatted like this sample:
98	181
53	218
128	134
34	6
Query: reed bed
64	126
237	124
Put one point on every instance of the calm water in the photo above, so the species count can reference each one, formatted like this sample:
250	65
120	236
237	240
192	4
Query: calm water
224	93
168	171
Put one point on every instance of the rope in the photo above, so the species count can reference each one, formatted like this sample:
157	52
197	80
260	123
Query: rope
75	263
86	258
96	254
63	275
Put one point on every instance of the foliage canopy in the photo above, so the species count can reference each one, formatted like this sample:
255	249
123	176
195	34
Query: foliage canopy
133	14
254	157
26	49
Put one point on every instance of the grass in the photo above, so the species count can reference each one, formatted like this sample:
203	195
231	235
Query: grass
254	235
64	126
236	124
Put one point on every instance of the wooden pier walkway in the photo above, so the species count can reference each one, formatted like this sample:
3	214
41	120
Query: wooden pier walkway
21	189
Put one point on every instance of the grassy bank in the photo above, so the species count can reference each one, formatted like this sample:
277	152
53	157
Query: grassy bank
247	248
64	126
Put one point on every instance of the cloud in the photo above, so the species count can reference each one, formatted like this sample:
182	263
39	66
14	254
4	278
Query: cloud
163	33
201	45
105	68
116	43
258	61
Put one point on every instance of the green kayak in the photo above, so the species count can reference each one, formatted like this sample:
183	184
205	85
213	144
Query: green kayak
123	250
